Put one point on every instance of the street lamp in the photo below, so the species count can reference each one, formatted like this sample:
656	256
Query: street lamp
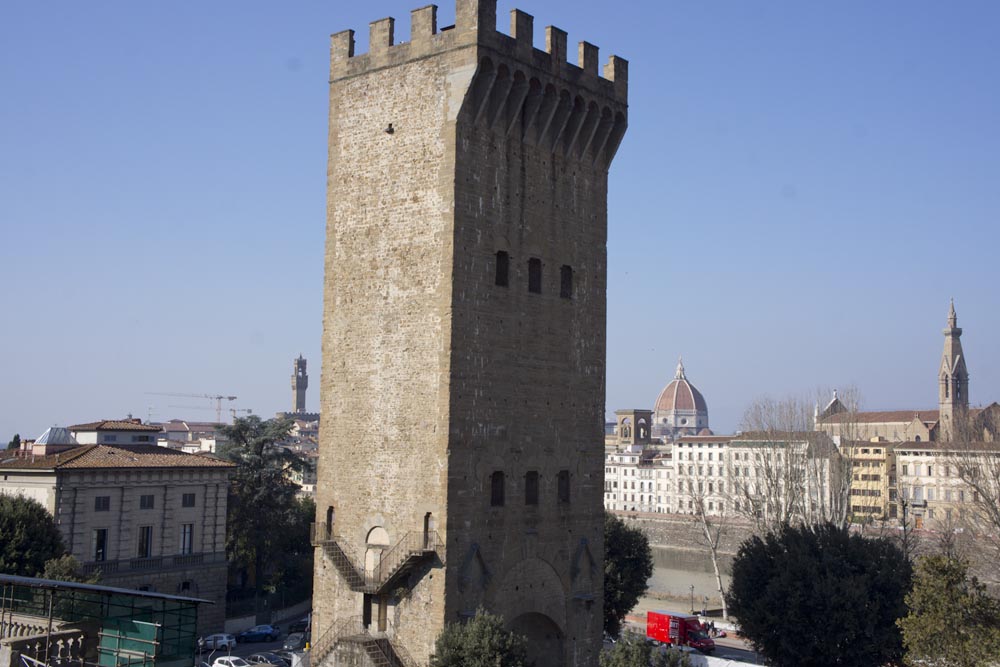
692	598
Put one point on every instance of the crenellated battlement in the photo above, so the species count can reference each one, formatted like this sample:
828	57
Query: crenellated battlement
475	21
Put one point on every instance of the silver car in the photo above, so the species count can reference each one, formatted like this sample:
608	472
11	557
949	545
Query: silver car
217	641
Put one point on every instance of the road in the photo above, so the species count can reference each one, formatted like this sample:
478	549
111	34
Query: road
728	648
245	649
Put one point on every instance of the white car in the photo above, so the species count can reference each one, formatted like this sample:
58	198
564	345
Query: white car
218	641
230	661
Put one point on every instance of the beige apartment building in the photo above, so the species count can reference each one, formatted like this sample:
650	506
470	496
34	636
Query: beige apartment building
873	479
147	517
701	473
928	480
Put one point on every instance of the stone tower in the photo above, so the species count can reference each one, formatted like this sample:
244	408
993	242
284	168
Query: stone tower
300	382
953	394
461	459
634	428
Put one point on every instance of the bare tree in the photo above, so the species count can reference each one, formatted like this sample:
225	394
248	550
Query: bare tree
974	455
781	471
839	508
711	512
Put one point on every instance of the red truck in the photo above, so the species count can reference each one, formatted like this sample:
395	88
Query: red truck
671	627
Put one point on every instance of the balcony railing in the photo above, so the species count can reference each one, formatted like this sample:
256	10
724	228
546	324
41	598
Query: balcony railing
413	548
178	561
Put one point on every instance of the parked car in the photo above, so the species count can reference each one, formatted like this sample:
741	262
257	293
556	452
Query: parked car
301	625
268	658
260	633
217	641
230	661
295	641
288	656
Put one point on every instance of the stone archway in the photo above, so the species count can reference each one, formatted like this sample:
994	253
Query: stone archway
545	640
376	542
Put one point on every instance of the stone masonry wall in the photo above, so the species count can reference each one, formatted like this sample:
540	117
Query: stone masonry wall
383	436
443	151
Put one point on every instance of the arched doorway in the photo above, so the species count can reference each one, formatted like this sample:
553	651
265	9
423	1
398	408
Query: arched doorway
545	640
429	527
376	542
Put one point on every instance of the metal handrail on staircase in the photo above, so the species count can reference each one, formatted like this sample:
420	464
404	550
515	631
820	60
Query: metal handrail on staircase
413	545
353	625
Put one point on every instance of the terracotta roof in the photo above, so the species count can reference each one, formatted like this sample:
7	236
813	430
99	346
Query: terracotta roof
889	416
781	436
947	446
819	441
696	439
115	425
106	456
680	395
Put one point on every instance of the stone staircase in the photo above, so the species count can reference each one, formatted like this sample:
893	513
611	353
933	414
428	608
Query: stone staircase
379	649
413	549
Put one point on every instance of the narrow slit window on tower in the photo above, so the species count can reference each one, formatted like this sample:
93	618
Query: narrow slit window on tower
535	275
531	488
503	269
496	489
563	486
566	282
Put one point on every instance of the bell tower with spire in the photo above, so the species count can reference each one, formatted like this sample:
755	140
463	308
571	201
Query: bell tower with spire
953	393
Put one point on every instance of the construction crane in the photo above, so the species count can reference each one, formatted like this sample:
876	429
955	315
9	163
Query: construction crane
234	411
218	398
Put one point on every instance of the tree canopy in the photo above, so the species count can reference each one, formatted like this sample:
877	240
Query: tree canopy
952	622
67	568
632	651
15	442
628	565
820	596
264	514
28	536
481	642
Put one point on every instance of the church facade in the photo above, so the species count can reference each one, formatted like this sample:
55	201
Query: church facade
838	420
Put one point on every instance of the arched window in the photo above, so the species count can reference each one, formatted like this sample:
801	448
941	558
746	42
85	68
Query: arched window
563	486
503	269
566	282
531	488
496	489
535	275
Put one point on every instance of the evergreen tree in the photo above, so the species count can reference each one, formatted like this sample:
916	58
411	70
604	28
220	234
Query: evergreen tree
629	651
817	595
28	536
15	442
262	500
633	651
952	622
628	565
481	642
67	568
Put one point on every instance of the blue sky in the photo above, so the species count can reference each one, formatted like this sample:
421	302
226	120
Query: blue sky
802	188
